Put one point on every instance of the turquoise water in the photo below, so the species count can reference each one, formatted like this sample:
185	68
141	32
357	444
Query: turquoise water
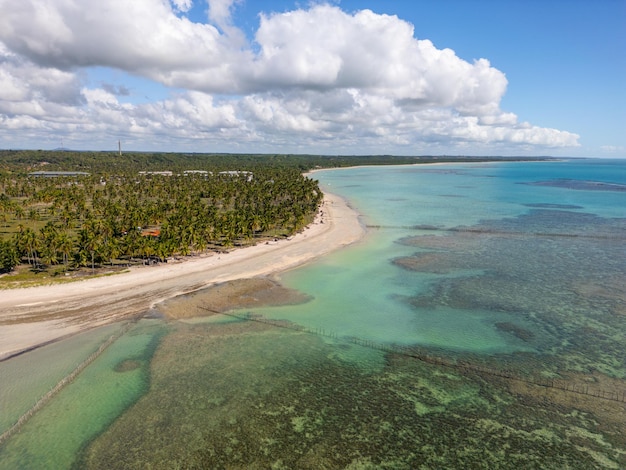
505	266
455	252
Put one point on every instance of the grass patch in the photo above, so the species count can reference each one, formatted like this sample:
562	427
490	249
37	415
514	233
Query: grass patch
25	276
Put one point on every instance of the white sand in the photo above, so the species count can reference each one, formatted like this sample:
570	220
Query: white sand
36	315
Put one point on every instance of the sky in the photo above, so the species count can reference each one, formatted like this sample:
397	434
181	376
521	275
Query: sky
418	77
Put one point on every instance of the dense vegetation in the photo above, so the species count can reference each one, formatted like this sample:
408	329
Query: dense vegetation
112	163
117	215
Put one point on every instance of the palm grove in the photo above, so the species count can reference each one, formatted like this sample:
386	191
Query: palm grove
102	218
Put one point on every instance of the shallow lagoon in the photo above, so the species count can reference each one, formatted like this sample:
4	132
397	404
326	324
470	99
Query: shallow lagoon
476	268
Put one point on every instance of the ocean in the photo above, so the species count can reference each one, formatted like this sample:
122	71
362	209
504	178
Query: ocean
480	323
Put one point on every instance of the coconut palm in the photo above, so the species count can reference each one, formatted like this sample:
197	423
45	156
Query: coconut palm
65	246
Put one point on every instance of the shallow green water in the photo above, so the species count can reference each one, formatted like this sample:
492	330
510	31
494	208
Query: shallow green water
248	395
28	377
54	436
360	293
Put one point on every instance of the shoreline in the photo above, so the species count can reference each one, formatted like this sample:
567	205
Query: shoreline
34	316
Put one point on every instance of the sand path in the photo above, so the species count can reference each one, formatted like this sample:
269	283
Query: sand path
33	316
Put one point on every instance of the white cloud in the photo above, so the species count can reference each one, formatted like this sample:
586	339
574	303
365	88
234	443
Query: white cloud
31	91
182	5
143	37
317	78
327	48
20	80
220	11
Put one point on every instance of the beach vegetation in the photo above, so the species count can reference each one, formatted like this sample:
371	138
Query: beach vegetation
89	220
9	258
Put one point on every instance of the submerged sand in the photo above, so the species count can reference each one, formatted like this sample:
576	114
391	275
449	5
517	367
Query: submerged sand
33	316
240	293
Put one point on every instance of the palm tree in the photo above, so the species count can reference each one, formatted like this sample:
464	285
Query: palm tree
65	246
28	243
9	257
50	239
88	242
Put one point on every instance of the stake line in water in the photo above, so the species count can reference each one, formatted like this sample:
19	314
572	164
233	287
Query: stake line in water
62	383
437	361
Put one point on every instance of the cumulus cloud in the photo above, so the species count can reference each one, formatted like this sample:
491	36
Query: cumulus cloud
23	85
318	77
327	48
143	37
182	5
220	11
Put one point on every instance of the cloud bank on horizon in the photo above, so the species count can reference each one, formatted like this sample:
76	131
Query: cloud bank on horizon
319	80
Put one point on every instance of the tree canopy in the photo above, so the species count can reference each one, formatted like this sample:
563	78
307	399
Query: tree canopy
136	211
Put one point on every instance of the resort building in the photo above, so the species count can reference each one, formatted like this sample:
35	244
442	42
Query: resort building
57	174
249	174
161	173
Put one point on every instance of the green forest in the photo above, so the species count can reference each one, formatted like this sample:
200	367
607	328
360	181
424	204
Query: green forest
74	213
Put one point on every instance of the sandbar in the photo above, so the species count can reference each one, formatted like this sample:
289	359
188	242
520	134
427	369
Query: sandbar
33	316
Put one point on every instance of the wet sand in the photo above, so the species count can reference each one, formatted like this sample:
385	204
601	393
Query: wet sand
38	315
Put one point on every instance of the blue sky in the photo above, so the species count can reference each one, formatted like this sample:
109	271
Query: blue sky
422	77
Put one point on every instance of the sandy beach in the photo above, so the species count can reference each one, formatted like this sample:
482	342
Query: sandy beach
30	317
